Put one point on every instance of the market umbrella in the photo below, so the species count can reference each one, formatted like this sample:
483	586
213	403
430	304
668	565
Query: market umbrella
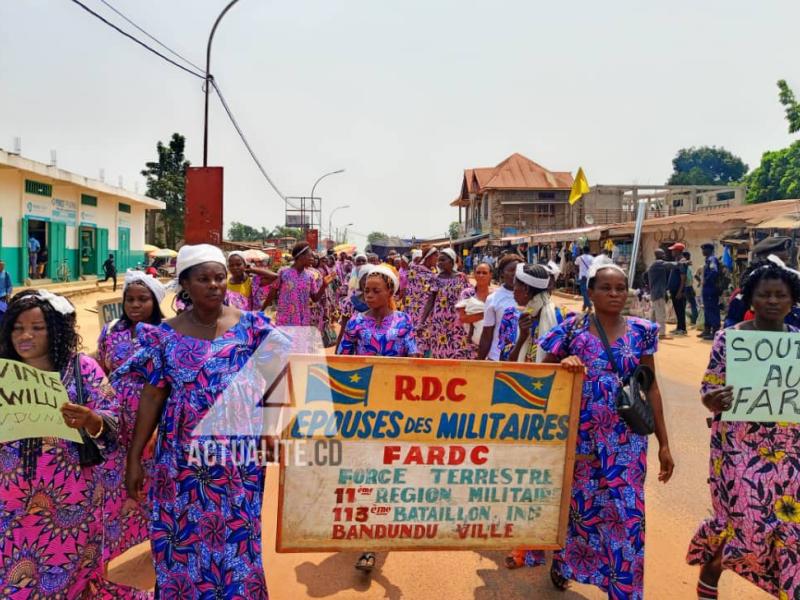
149	248
346	248
164	253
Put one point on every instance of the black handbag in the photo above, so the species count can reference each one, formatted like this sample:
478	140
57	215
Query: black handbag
89	453
632	403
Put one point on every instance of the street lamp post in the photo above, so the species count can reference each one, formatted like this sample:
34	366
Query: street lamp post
330	218
208	79
314	187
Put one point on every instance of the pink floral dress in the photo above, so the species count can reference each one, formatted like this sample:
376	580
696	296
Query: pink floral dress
294	297
444	334
754	481
52	519
418	290
240	295
393	336
116	345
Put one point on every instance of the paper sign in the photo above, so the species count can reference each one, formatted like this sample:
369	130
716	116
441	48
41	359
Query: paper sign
432	455
764	369
108	310
30	403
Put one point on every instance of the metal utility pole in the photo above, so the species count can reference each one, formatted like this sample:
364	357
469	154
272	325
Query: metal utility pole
330	218
208	79
314	187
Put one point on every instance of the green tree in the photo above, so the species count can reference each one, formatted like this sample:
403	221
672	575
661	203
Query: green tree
283	232
376	236
777	177
454	230
787	99
166	182
706	165
239	232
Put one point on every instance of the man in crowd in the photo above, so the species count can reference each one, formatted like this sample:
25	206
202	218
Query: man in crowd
33	256
678	277
584	261
657	277
6	290
688	290
710	292
110	270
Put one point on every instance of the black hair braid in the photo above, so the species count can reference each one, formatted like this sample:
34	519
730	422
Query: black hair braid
767	270
62	335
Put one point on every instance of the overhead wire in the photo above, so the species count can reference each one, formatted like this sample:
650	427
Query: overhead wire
152	37
137	40
200	75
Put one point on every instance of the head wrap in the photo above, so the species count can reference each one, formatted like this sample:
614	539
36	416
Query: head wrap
553	269
301	252
531	280
238	253
777	261
153	284
603	262
431	251
361	255
191	256
451	253
58	303
416	253
386	270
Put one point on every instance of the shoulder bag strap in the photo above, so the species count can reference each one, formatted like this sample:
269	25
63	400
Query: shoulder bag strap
604	338
76	373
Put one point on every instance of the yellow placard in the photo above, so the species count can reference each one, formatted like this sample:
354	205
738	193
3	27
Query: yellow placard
30	403
409	454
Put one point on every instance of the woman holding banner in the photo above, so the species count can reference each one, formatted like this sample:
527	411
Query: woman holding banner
142	295
754	467
605	533
205	527
51	509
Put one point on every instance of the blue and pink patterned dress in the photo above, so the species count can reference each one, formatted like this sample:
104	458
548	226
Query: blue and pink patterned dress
206	515
240	295
294	306
115	346
605	533
52	524
445	336
754	481
393	336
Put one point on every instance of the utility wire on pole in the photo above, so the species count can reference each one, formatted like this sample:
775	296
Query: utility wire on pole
198	75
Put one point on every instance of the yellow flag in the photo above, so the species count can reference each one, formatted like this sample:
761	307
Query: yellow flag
579	187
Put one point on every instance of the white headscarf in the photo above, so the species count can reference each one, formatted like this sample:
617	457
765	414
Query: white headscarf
190	256
451	253
153	284
238	253
540	305
384	269
603	262
59	303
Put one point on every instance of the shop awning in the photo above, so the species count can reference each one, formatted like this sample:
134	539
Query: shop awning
516	239
782	222
467	240
569	235
482	243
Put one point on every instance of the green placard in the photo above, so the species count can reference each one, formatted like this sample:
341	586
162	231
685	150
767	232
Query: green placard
764	369
30	403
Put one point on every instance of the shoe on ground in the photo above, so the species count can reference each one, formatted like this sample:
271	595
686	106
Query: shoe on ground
707	336
665	337
679	332
702	334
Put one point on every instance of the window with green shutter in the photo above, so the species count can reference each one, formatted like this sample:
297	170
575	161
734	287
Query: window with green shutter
38	188
126	208
88	200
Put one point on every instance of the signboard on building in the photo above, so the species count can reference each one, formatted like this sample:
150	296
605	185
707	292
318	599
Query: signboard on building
65	211
434	455
38	208
88	217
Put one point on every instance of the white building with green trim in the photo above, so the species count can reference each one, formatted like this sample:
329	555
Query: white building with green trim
79	220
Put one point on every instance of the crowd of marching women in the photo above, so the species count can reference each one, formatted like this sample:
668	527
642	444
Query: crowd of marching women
65	512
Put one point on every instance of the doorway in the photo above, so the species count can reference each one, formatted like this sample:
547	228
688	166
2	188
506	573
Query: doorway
37	250
88	251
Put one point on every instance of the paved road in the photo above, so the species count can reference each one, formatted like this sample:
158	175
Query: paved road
673	512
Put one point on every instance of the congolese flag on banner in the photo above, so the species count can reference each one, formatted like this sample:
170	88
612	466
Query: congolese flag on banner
522	390
341	386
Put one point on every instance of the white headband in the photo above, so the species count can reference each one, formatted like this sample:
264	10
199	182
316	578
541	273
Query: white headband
777	261
191	256
553	269
153	284
416	253
238	253
385	270
540	283
451	253
431	251
603	262
303	251
59	303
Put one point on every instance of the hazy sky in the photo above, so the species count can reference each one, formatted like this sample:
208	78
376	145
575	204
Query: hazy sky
404	95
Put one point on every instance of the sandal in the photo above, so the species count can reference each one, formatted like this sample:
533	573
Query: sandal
366	562
558	580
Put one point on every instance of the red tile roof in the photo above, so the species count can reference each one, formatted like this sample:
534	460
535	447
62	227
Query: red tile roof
516	172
